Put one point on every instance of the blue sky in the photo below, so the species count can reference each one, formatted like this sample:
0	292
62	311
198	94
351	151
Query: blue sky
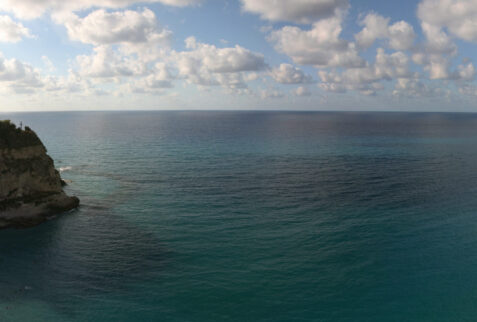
238	54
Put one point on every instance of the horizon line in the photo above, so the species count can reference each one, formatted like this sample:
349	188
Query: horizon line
237	110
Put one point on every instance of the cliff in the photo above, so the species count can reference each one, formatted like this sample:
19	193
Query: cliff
30	186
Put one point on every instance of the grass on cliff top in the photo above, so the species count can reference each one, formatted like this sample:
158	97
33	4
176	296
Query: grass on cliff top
13	137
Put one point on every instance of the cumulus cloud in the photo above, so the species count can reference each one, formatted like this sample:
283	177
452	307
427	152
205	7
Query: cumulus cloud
132	51
457	16
302	91
436	56
300	11
200	64
125	27
30	9
400	35
406	87
465	72
288	74
19	76
73	83
222	60
321	46
469	90
410	87
271	93
367	79
11	31
15	70
437	65
208	65
160	77
437	40
105	62
342	68
333	87
157	80
139	38
437	53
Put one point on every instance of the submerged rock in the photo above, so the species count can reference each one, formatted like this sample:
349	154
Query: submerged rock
30	186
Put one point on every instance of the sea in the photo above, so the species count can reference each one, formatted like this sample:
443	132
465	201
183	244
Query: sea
251	216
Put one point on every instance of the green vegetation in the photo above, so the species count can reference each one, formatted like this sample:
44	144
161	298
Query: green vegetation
13	137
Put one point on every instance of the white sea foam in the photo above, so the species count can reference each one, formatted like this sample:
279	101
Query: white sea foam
63	169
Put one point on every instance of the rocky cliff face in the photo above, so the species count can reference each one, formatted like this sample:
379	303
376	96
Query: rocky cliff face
30	186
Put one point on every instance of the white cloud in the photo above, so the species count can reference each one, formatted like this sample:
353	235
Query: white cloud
400	35
201	64
302	91
157	80
469	90
410	87
465	72
458	16
223	60
160	77
406	87
15	70
132	51
207	65
333	87
288	74
438	42
73	83
19	76
367	80
375	27
321	46
30	9
439	49
126	27
232	81
271	93
439	67
11	31
105	62
300	11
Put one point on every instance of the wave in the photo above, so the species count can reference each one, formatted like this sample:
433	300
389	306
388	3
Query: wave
63	169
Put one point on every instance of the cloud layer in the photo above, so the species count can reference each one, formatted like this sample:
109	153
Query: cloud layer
457	16
320	46
309	49
11	31
121	27
299	11
30	9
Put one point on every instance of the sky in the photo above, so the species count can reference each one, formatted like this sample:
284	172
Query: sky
238	54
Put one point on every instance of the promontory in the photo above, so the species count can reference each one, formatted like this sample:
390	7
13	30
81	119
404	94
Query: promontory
31	189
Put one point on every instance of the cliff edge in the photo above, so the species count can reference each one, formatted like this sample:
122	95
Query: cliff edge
30	186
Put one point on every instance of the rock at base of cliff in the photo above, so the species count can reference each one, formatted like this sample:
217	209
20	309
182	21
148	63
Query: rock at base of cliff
31	189
27	214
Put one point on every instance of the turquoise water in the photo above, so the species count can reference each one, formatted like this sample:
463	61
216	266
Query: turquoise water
252	216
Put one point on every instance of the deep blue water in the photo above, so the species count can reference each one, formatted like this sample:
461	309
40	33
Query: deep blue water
252	216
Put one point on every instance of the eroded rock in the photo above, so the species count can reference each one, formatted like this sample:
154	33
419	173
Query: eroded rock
30	186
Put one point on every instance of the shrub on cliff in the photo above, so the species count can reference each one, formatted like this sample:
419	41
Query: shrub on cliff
12	137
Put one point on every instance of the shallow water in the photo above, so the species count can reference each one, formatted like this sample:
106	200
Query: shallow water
260	216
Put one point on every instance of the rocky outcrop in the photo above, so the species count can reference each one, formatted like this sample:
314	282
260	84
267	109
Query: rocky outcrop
30	186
